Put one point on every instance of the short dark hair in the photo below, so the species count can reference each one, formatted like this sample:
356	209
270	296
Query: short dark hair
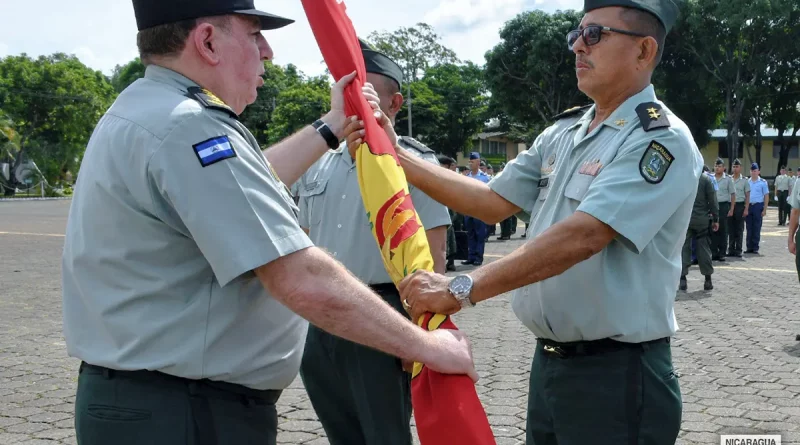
169	39
648	24
445	160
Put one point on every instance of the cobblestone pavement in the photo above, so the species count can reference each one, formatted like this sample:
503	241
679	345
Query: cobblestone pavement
736	354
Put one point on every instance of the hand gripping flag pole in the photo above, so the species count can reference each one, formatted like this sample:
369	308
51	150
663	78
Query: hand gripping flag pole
446	407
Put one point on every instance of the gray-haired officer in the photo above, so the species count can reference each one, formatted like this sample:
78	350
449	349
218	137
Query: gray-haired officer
700	229
741	208
609	191
726	196
184	261
782	183
360	395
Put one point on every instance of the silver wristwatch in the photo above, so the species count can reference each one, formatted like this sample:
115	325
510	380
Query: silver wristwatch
461	288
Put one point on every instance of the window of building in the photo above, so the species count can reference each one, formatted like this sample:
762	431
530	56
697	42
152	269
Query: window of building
793	151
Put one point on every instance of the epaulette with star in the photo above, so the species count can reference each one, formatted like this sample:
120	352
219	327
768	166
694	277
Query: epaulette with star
419	146
571	112
652	116
209	100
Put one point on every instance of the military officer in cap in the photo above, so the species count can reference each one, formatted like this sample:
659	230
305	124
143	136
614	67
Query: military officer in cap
759	201
361	396
186	276
477	230
608	190
700	230
726	195
782	183
741	208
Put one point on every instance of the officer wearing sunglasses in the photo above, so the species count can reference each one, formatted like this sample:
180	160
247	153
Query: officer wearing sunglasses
608	191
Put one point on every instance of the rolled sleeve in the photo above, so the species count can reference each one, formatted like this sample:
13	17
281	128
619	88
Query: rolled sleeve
635	208
235	210
519	181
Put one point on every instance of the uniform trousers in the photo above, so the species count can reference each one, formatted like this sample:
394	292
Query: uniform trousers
700	233
604	393
797	256
736	229
361	396
476	238
783	206
146	407
754	220
505	227
719	239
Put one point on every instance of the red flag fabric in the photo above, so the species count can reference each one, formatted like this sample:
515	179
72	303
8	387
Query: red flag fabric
446	407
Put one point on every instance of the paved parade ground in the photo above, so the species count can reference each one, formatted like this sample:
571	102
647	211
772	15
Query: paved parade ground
735	353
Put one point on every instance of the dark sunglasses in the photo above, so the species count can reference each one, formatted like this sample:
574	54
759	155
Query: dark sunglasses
592	33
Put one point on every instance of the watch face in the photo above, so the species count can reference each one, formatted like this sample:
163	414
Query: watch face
461	284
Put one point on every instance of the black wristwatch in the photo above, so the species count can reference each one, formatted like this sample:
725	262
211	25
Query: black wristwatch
325	131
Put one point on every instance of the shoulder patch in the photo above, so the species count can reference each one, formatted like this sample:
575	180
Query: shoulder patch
214	150
209	100
655	162
652	116
571	112
413	143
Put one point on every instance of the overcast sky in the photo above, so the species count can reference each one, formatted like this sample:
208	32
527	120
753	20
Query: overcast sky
102	33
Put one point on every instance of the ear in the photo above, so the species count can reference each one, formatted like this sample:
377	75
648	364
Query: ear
648	50
204	40
397	103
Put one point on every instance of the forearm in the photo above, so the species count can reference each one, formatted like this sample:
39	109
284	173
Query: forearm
329	297
747	200
437	242
551	253
294	155
794	217
456	191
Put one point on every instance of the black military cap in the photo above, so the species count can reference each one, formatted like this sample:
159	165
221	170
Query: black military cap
150	13
706	169
665	10
719	162
377	62
736	162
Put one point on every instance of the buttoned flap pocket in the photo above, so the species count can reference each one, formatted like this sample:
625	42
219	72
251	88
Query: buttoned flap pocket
544	187
578	186
313	192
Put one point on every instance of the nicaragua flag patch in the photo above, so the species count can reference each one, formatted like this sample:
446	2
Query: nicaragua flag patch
214	150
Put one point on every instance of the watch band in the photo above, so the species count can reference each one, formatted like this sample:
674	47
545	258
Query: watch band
326	133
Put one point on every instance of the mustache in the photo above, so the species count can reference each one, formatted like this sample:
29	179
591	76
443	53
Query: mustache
584	61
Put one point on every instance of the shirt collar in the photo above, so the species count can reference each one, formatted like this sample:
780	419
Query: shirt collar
624	114
169	77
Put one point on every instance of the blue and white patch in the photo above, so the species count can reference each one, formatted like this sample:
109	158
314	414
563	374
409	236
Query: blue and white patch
214	150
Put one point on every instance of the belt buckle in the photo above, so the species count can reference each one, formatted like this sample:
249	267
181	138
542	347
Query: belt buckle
554	350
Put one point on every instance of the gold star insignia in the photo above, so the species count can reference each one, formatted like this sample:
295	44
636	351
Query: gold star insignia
620	122
653	113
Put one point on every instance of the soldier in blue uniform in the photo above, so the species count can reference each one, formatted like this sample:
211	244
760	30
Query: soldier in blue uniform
477	230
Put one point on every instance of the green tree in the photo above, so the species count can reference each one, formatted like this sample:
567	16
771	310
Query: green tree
124	75
257	117
734	41
686	86
297	106
531	73
462	91
53	104
429	112
415	49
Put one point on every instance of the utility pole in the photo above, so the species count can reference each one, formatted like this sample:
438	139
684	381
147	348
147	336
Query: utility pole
409	110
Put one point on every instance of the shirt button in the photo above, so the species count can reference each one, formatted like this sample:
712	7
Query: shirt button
334	253
344	196
339	226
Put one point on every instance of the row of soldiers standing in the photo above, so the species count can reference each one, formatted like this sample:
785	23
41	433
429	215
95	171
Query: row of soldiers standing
725	205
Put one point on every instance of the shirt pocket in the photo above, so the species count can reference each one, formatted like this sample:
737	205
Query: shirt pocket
313	193
578	186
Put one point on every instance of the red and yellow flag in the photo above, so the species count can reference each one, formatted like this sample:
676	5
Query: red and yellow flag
446	407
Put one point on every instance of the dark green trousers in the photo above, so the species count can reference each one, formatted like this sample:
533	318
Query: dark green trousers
149	408
505	227
797	255
627	396
361	396
701	233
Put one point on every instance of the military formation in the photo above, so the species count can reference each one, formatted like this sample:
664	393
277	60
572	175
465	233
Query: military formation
202	274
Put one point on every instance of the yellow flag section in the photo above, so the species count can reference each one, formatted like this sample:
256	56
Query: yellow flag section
394	221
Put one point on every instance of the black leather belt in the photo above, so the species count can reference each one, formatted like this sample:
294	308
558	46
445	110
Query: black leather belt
593	347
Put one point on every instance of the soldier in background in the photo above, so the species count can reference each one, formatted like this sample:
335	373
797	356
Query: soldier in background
700	229
740	210
782	183
726	197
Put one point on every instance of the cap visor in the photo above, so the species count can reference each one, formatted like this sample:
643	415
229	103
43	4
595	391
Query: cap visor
268	21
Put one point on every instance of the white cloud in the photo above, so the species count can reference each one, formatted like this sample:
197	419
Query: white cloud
455	14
